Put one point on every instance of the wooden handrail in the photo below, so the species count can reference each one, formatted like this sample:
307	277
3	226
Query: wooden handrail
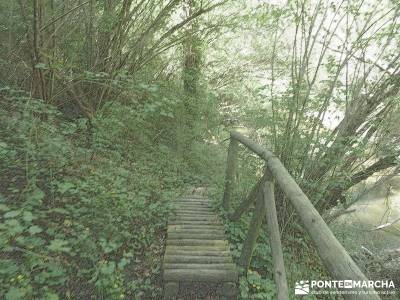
333	255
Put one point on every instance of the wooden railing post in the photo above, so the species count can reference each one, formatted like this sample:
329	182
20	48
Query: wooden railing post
275	238
230	172
252	233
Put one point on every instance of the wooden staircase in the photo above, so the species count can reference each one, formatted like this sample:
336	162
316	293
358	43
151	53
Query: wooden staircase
197	251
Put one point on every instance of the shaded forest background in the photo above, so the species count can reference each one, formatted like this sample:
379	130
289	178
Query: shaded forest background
109	109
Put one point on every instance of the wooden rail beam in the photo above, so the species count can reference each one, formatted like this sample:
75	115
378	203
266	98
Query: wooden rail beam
246	203
257	149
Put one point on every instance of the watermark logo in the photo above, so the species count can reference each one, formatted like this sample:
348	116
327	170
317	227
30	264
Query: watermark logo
344	287
302	287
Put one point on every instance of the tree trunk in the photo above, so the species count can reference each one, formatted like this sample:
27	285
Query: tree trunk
38	83
191	76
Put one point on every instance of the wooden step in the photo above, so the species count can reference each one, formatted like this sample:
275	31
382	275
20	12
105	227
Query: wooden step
197	231
186	236
191	200
204	259
210	275
210	252
192	207
197	215
193	213
194	218
194	197
188	200
189	222
194	242
197	227
221	248
222	266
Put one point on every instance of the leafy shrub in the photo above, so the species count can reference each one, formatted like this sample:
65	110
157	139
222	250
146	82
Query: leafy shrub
83	210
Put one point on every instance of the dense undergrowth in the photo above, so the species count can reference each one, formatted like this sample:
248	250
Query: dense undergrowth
83	206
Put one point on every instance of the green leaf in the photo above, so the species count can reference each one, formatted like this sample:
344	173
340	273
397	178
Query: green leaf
56	270
41	66
12	214
37	195
65	186
58	245
28	216
108	268
60	210
109	246
51	296
153	88
8	267
35	229
3	207
2	198
14	226
123	262
15	294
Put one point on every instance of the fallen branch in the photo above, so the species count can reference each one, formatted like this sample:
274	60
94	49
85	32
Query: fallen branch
334	216
383	226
